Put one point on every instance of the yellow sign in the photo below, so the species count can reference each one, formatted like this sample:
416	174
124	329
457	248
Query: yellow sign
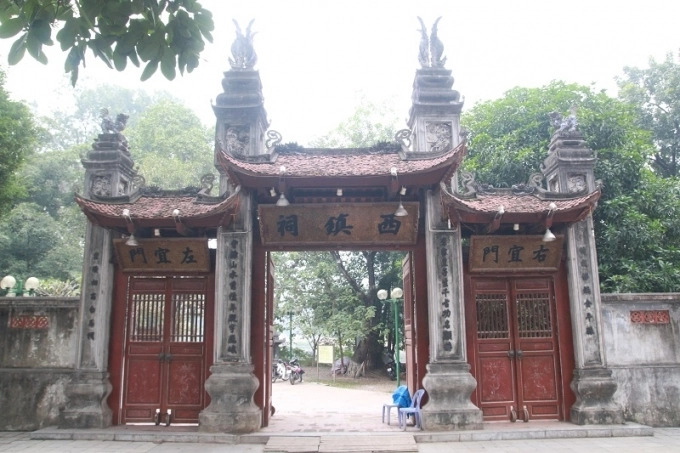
338	224
514	253
325	354
164	255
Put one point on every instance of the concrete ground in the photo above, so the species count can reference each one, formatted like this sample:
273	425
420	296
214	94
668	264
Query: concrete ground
311	417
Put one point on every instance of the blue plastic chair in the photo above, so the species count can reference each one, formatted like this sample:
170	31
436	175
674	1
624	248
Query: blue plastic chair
413	409
400	398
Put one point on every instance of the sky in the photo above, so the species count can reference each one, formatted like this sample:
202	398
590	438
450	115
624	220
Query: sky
318	58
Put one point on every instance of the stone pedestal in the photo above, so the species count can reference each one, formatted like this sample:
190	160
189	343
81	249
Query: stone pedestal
594	389
232	408
449	387
87	406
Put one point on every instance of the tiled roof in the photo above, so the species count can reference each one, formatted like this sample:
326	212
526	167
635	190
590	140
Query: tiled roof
156	211
344	163
523	207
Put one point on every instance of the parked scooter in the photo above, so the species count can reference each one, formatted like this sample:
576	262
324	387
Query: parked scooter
391	366
280	370
296	371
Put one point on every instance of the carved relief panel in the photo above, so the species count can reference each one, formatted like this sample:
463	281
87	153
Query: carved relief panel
439	136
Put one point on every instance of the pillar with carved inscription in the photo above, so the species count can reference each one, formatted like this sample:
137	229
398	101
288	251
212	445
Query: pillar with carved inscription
108	173
448	381
434	127
240	128
232	384
569	168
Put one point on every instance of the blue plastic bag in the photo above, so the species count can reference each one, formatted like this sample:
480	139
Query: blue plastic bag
401	397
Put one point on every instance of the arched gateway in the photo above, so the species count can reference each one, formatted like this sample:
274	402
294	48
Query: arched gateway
502	316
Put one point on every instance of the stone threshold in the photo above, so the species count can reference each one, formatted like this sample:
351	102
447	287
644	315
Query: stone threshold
491	431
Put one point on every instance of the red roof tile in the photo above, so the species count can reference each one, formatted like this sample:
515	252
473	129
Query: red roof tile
313	163
518	207
157	211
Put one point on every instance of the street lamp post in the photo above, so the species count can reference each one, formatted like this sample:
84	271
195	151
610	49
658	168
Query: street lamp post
15	288
290	331
395	295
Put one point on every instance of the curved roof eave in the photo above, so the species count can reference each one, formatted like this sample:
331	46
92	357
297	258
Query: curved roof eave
157	212
311	168
510	207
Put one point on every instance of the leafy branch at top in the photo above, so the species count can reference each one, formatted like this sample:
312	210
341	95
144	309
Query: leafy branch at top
166	33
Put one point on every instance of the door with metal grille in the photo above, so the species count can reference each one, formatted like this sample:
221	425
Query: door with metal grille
165	350
514	348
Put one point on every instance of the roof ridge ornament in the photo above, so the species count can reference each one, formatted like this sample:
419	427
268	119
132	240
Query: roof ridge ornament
242	49
565	126
431	49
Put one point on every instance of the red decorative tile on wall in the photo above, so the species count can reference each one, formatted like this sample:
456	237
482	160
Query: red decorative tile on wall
29	322
650	316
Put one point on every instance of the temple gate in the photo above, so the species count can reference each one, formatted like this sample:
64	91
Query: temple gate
502	313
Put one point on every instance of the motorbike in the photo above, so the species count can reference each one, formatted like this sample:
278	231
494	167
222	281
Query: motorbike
280	370
296	371
391	367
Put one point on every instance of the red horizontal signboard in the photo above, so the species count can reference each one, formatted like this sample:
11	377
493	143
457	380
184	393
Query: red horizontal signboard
164	255
338	224
514	253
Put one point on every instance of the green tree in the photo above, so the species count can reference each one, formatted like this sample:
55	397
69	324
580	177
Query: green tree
655	92
28	235
19	137
636	235
170	146
80	123
370	124
332	295
165	33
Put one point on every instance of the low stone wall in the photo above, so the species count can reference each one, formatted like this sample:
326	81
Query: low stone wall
37	359
642	343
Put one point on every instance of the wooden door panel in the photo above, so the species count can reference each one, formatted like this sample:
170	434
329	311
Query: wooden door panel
185	375
144	374
185	388
515	348
165	362
538	378
496	380
536	338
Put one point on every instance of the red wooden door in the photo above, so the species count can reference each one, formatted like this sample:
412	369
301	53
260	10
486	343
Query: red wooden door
165	349
515	348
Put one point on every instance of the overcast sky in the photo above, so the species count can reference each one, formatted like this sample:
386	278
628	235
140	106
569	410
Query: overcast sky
316	58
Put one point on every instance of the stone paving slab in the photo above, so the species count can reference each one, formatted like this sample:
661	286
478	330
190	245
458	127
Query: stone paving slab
376	444
279	444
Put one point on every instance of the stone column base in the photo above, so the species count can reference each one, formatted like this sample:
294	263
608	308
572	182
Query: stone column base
232	409
449	386
86	405
594	389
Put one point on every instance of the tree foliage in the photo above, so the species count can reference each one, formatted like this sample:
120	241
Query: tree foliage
332	296
170	146
636	220
44	208
371	123
655	92
169	34
19	136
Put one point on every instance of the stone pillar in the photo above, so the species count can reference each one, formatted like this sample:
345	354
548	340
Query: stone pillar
448	381
569	168
108	173
592	383
232	384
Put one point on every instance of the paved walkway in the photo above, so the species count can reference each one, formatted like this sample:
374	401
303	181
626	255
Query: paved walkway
316	418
